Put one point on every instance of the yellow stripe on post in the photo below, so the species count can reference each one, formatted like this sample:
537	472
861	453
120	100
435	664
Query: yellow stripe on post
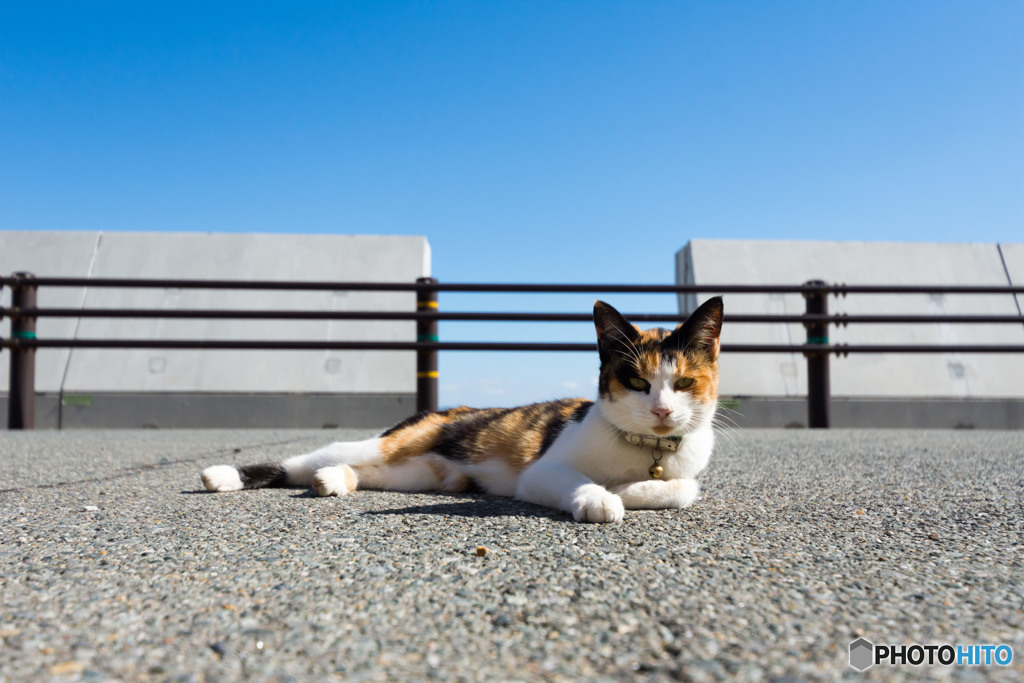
426	358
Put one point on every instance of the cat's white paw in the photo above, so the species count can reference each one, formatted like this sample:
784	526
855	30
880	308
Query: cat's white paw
221	478
336	480
595	503
658	494
686	491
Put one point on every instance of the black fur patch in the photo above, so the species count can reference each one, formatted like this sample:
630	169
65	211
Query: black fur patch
266	475
464	437
700	331
556	424
581	412
624	373
457	437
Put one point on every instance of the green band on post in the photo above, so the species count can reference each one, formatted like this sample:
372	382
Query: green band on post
817	340
22	334
426	337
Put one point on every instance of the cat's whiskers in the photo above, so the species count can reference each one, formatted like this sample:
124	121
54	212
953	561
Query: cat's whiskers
723	413
726	432
724	425
693	422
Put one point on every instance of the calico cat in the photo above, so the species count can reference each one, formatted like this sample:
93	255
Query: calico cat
639	446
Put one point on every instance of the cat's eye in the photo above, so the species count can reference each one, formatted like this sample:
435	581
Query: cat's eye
639	384
684	383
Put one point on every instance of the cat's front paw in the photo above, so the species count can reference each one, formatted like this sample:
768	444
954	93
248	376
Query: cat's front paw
221	478
336	480
685	491
594	503
658	494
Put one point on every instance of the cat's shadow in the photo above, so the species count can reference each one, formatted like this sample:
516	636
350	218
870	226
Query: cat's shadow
466	505
476	508
469	506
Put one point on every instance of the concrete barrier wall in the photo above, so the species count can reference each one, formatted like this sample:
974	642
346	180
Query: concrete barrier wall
89	383
937	375
953	376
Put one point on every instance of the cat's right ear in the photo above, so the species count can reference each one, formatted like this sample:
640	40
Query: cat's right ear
702	330
615	334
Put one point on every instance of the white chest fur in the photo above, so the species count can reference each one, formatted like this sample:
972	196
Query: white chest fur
596	449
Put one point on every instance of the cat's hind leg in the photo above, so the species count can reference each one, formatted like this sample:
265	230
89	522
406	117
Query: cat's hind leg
341	468
302	468
336	480
427	472
295	471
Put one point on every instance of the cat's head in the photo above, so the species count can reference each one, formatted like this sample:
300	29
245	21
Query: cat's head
657	381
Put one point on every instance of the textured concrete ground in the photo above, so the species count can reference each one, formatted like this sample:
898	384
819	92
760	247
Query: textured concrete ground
115	566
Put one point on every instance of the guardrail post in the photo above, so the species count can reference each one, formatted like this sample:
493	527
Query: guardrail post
819	401
21	396
426	361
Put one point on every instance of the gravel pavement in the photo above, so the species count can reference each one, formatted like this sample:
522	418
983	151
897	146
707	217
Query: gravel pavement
116	566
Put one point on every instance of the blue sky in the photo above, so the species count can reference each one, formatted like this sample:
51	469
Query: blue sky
529	141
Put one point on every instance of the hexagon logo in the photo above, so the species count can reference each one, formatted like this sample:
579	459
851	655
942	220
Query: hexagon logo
862	654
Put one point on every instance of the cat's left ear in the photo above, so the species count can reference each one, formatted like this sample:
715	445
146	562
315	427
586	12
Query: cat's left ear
702	330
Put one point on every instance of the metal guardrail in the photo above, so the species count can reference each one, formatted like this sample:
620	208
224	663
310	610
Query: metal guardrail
24	314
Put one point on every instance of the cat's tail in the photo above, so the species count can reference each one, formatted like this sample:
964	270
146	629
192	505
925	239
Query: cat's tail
230	478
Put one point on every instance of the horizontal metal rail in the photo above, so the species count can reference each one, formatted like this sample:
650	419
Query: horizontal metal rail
24	314
245	314
554	288
290	345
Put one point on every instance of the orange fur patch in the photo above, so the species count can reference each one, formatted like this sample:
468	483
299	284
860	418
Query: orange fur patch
416	436
704	372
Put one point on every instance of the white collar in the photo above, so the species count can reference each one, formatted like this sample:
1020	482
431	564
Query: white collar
658	443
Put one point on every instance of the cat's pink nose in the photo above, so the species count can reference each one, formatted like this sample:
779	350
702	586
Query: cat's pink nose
662	413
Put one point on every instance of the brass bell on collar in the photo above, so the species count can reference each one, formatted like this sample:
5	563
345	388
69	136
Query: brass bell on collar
656	471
